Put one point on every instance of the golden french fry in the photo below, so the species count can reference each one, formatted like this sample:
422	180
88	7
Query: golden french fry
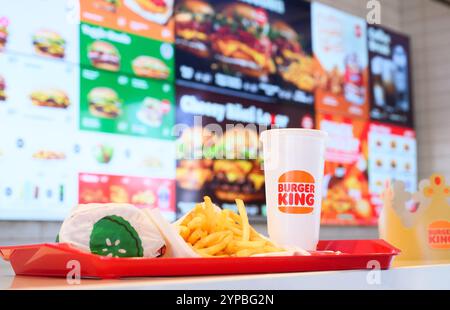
217	247
250	244
184	232
271	248
234	230
196	235
209	213
244	219
209	240
197	222
235	217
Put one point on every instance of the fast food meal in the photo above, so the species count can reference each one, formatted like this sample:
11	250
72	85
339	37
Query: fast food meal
49	43
158	11
338	200
104	102
212	232
118	194
3	35
193	22
151	67
241	179
53	98
240	40
193	174
286	44
153	111
113	230
196	143
104	55
123	230
107	5
292	63
90	195
49	155
332	82
146	197
2	89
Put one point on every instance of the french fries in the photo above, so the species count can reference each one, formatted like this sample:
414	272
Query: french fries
223	233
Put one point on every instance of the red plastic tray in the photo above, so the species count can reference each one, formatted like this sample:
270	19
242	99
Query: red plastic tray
51	259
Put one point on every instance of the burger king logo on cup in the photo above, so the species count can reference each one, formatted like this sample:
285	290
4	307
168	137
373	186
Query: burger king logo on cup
296	192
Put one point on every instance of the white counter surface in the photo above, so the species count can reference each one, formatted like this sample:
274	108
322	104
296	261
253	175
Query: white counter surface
421	277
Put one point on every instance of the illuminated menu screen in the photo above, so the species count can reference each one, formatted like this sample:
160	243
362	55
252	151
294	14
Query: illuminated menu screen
134	101
258	49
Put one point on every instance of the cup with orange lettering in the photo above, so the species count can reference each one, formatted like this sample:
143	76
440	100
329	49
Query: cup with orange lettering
293	169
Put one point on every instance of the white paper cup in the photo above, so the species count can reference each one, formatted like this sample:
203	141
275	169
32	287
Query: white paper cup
293	169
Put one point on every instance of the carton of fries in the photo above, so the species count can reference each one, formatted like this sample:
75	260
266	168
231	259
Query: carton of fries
208	231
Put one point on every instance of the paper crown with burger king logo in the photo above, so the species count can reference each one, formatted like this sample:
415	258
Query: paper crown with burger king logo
296	192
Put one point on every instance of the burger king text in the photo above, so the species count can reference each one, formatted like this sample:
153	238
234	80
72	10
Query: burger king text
296	192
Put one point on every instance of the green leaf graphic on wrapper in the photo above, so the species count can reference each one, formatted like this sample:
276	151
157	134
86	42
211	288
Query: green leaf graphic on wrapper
114	236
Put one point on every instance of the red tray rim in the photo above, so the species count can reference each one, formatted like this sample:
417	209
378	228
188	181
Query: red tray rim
6	251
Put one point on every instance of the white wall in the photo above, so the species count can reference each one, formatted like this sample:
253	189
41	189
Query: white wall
428	24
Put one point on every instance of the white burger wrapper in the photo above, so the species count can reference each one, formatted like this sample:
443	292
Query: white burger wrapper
112	229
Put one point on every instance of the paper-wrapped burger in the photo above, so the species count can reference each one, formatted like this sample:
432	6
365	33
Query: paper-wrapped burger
114	230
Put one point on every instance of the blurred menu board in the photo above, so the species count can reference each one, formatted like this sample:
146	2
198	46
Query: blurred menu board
37	181
47	28
140	191
346	198
221	160
89	102
123	155
390	76
393	156
340	48
115	51
38	92
147	18
121	104
260	48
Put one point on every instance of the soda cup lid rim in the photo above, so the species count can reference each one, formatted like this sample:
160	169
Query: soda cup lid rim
301	131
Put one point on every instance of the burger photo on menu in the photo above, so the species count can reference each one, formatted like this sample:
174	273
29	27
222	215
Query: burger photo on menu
151	67
293	65
104	103
52	98
3	32
238	179
2	89
157	11
104	55
49	43
193	26
107	5
152	111
240	40
192	175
